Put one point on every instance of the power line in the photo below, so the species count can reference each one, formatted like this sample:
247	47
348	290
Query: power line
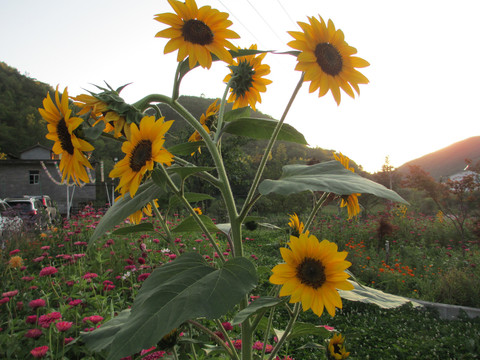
265	21
286	13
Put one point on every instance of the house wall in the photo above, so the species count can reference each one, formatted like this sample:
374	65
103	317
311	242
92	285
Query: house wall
15	181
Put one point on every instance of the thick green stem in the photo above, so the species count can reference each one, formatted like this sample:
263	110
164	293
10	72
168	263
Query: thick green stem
231	351
271	142
318	206
221	112
225	335
166	228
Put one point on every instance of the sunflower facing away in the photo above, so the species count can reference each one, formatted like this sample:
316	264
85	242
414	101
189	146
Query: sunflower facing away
61	130
147	210
326	59
207	120
144	147
248	72
296	225
100	111
312	273
336	348
350	201
197	33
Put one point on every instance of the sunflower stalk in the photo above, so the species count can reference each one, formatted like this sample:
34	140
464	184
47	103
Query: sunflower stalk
288	329
230	350
228	339
221	112
318	205
165	227
271	142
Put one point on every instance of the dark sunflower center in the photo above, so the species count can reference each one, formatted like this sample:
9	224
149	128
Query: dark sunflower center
140	155
336	348
197	32
329	58
64	137
243	77
311	272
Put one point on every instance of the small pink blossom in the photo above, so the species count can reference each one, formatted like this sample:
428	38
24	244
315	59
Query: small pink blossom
68	340
10	293
34	304
13	252
63	325
94	319
32	319
45	320
33	333
49	270
39	352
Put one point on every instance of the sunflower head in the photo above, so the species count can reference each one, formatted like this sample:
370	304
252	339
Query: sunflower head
349	201
296	225
109	107
326	59
63	129
137	216
312	273
197	33
207	120
344	160
336	348
247	73
143	148
197	210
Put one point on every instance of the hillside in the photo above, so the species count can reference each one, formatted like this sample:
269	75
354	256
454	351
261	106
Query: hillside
449	160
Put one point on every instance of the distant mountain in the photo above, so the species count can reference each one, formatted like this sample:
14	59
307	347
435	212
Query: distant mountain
447	161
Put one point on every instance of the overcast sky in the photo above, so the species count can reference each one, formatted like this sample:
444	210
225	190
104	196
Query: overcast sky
424	57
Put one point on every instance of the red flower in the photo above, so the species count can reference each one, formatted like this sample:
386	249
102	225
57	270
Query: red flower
32	319
34	333
227	326
63	325
75	302
28	278
68	340
10	293
143	277
49	270
46	320
4	300
89	276
13	252
37	303
94	319
39	352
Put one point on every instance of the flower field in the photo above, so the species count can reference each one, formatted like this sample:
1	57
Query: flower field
55	287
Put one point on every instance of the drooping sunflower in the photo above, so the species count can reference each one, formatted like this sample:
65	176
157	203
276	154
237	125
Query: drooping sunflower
206	120
336	348
350	201
144	147
326	59
248	72
147	210
101	112
197	33
312	273
61	128
296	225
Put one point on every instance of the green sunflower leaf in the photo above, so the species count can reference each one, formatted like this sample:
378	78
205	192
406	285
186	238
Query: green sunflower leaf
185	149
256	306
190	225
373	296
143	227
124	207
257	128
191	198
330	176
106	333
94	132
186	171
184	289
243	112
306	329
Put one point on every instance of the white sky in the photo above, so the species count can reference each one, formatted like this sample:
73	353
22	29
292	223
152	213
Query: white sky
424	57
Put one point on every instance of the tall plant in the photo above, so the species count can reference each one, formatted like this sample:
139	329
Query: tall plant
190	293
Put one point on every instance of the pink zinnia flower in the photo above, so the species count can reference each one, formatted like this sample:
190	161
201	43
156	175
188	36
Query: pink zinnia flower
32	319
258	345
39	259
237	344
37	303
152	356
94	319
28	278
34	333
227	326
13	252
46	320
63	325
4	300
89	276
39	352
75	302
143	277
10	293
68	340
49	270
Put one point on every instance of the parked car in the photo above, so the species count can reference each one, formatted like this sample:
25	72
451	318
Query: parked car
48	204
30	210
10	222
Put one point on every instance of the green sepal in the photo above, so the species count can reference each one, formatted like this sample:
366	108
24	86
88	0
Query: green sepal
257	128
93	132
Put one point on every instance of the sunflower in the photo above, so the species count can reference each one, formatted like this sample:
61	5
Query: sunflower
312	273
296	225
326	59
247	72
144	147
197	33
336	348
136	217
206	120
197	210
100	111
350	201
61	130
